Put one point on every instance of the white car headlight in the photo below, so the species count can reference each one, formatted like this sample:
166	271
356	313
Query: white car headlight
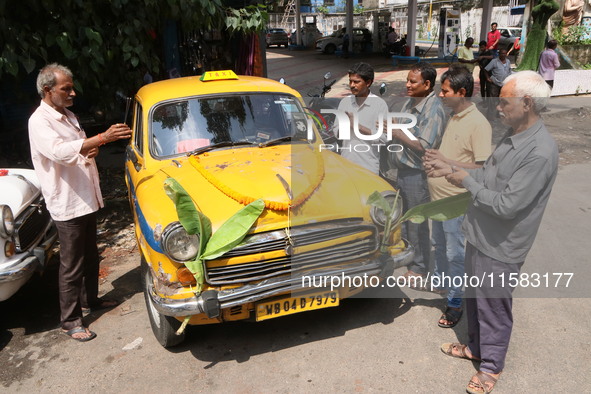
7	222
178	244
379	216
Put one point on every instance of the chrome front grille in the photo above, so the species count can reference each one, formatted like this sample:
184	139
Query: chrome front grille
343	249
30	226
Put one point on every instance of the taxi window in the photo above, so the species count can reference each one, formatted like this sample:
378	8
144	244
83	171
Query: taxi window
138	139
183	126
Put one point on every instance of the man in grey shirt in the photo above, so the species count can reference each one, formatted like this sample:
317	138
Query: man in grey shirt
509	195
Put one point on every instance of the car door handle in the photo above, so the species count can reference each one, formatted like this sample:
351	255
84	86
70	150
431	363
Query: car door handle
131	156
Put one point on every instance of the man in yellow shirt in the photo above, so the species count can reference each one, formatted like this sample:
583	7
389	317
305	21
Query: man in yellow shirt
466	143
466	55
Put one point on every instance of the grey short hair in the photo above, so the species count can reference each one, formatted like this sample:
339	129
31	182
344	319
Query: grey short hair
48	78
531	84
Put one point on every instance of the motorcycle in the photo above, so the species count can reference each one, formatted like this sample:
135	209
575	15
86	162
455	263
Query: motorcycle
397	48
325	122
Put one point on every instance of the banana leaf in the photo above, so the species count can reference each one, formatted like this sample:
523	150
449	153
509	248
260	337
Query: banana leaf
439	210
233	231
376	199
191	219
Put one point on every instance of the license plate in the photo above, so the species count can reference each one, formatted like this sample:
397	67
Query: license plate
290	305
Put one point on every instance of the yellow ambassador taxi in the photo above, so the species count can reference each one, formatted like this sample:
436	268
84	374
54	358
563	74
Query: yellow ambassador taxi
227	142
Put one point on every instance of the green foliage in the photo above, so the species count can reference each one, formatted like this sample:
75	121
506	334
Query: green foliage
246	20
107	44
192	220
536	37
233	231
439	210
376	199
230	233
358	9
574	35
321	9
421	31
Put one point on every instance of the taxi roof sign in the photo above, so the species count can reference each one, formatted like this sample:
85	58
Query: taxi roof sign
218	75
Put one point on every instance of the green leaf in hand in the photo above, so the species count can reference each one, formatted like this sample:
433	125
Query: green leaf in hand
439	210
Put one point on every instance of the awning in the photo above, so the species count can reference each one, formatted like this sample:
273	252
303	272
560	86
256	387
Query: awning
519	10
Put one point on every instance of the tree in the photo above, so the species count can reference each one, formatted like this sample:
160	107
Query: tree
536	37
107	43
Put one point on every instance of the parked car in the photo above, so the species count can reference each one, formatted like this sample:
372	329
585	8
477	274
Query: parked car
508	36
309	36
277	37
27	233
330	44
209	147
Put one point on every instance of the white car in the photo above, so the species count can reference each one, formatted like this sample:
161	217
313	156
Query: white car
27	233
330	44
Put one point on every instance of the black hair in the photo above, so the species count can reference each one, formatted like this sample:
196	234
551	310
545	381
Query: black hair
481	43
364	70
459	77
428	73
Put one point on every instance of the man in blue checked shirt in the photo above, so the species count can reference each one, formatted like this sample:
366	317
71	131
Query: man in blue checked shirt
412	180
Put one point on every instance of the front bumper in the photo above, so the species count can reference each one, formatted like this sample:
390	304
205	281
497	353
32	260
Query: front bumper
268	288
18	270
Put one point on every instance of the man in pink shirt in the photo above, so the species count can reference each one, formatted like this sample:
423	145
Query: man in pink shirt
63	158
549	62
492	39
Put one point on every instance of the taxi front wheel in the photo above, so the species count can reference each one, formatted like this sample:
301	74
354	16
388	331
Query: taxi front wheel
164	327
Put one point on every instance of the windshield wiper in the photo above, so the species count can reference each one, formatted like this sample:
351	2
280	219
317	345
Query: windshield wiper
275	141
222	144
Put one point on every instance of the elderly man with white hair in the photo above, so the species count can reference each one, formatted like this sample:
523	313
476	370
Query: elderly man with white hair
509	195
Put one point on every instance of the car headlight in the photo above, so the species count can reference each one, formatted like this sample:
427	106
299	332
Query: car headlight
379	216
178	244
7	223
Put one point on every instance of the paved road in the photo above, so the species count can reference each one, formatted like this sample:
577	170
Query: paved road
366	345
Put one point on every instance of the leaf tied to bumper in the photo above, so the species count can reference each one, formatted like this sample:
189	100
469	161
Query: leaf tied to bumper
233	231
193	221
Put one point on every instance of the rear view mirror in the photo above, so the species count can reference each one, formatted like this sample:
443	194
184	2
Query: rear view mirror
327	75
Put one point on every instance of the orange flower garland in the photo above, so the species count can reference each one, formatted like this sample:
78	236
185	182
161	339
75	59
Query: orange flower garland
245	199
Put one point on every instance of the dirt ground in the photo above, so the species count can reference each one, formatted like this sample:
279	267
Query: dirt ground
572	132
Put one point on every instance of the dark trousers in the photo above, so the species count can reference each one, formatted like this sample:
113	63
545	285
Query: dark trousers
489	308
483	83
415	191
79	268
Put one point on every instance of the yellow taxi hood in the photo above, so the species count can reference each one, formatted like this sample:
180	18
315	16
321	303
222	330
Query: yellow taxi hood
298	184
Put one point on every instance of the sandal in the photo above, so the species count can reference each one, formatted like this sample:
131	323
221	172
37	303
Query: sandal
78	330
448	348
452	316
483	384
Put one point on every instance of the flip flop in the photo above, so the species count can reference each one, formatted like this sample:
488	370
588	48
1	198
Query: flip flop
77	330
452	316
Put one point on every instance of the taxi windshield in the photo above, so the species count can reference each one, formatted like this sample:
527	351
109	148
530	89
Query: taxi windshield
190	124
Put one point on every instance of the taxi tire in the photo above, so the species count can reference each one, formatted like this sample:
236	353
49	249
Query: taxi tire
164	327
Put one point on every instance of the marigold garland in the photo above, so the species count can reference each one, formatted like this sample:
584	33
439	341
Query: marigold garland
245	199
